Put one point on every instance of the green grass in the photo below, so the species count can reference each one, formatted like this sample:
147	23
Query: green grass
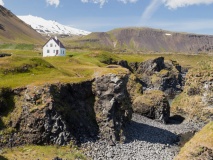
42	152
17	46
29	67
25	53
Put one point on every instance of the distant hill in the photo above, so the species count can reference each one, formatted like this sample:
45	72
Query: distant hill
14	30
146	39
49	27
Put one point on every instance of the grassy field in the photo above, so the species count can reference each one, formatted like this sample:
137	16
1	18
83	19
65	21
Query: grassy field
42	153
29	67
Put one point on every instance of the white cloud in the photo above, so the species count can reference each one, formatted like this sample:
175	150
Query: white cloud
128	1
53	2
150	10
173	4
1	2
102	2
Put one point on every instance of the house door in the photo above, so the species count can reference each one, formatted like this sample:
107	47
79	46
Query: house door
56	52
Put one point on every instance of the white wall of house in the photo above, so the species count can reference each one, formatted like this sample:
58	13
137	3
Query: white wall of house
52	49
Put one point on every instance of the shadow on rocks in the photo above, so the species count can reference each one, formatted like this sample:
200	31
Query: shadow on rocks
3	158
176	119
143	132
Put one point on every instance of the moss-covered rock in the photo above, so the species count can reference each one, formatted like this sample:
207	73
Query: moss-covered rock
196	101
200	146
153	104
134	87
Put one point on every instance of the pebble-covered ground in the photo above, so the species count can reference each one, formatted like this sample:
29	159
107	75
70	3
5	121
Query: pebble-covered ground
146	139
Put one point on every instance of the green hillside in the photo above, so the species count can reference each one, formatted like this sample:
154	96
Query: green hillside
13	30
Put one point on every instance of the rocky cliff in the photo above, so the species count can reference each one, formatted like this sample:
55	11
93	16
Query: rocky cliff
100	108
196	100
60	113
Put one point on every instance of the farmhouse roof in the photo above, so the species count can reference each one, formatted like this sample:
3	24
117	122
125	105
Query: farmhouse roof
57	41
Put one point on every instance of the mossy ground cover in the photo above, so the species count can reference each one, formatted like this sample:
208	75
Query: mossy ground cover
202	142
41	152
190	102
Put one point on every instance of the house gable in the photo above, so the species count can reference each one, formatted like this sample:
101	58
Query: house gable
57	41
53	47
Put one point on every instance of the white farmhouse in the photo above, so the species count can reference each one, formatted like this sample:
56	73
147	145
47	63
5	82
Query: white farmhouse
53	47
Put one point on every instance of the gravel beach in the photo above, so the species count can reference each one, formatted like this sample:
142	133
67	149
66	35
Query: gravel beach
146	139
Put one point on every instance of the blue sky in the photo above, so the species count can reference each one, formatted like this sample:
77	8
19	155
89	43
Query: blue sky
194	16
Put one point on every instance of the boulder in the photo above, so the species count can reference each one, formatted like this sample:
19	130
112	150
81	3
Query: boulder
153	104
113	106
157	74
149	67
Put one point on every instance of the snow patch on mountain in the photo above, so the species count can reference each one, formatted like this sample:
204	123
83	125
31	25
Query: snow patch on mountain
50	27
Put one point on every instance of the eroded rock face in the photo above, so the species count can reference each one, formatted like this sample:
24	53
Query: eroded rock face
159	75
152	104
156	74
112	106
207	97
196	101
55	114
60	113
151	66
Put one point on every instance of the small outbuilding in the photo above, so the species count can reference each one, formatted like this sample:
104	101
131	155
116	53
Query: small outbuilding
54	47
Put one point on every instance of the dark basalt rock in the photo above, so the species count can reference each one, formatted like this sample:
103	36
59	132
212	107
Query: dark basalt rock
159	75
112	106
56	114
156	74
151	66
60	113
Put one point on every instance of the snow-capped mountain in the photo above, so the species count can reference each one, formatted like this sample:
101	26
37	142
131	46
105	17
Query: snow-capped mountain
50	27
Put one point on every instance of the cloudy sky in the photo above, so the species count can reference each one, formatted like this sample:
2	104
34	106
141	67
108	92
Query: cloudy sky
194	16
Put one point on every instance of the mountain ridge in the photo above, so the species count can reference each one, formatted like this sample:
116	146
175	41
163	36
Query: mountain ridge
147	39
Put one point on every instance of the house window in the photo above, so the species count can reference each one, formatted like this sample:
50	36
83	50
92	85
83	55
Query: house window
53	51
48	51
51	45
47	45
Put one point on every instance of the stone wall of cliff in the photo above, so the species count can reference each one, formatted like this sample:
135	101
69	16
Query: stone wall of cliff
60	113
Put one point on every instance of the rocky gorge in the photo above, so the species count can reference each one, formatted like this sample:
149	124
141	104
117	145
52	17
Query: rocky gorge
114	116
